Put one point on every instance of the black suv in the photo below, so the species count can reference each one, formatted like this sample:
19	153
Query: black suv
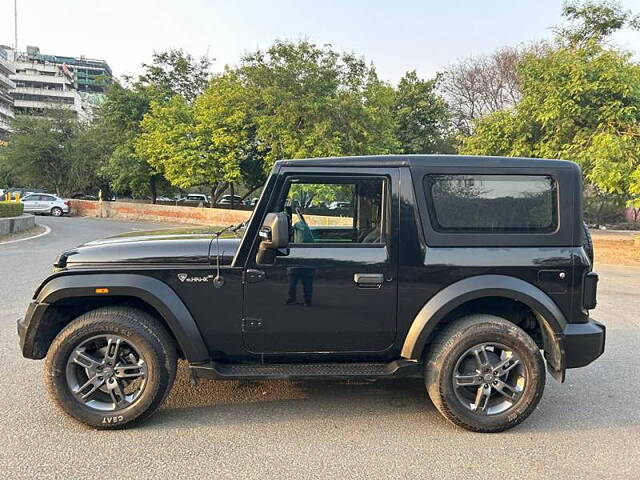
464	271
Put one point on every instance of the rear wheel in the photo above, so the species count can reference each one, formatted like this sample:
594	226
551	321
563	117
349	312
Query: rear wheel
57	212
485	374
111	367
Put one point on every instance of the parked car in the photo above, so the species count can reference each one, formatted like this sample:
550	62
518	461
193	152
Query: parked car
467	272
84	196
45	203
339	205
194	199
226	200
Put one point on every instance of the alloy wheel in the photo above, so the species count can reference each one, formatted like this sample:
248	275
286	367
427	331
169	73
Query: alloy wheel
489	378
106	373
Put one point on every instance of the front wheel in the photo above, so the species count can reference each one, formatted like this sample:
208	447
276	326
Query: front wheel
57	212
111	367
484	373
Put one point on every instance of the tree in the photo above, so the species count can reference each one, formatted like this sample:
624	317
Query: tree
482	85
594	21
119	118
310	101
422	118
207	143
175	72
46	152
580	101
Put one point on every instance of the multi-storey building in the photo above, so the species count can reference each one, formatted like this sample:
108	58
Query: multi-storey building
42	86
90	75
6	101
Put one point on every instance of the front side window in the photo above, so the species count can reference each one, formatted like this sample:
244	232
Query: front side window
492	203
348	211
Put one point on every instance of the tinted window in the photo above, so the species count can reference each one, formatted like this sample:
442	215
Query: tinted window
31	198
47	198
492	203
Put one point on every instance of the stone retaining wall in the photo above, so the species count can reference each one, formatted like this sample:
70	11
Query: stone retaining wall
158	213
16	224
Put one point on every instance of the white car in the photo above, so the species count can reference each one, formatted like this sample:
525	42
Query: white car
45	203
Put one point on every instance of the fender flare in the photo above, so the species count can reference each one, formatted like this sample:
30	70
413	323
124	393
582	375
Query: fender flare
553	321
148	289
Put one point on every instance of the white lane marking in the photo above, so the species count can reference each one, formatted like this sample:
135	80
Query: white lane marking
47	231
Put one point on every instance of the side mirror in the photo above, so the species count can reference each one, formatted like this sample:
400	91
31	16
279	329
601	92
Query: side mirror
274	235
275	231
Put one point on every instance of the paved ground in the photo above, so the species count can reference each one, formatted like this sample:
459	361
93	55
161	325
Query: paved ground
587	428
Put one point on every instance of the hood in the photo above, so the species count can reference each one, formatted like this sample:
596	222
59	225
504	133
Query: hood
175	246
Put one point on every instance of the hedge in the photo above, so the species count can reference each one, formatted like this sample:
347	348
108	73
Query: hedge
11	209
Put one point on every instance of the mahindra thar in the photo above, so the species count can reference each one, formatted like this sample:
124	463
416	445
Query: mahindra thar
469	272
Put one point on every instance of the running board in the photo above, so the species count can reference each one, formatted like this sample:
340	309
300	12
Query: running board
225	371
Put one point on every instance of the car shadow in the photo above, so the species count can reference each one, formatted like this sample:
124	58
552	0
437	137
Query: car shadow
271	401
578	405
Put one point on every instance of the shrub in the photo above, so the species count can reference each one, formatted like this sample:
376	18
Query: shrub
11	209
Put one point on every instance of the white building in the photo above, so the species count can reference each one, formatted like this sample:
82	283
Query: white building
6	101
42	86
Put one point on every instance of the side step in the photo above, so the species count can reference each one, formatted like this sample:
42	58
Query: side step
222	371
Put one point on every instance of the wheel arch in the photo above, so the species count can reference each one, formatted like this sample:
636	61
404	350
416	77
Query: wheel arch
146	293
550	318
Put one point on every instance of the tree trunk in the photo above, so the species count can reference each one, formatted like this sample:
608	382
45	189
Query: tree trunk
220	189
232	195
153	188
214	188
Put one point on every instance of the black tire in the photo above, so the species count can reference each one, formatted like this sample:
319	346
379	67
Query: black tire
148	337
443	360
587	243
57	212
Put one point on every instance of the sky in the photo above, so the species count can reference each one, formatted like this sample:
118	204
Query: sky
396	36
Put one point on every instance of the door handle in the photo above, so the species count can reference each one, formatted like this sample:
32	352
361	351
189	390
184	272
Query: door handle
368	280
253	276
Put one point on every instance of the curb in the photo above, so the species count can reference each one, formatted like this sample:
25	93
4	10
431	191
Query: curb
47	231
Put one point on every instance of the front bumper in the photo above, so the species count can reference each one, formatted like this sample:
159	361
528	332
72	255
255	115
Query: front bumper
583	343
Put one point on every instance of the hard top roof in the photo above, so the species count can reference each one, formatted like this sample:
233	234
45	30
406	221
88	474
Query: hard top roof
426	161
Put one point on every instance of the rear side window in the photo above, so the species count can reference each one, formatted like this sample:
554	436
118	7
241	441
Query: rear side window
492	203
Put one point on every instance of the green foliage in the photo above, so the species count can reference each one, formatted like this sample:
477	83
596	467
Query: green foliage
421	116
176	72
594	20
11	209
294	100
135	166
51	152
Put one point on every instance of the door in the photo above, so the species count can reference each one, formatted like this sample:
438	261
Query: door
31	203
334	290
47	202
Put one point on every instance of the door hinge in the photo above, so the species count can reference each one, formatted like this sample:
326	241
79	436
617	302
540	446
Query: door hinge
249	324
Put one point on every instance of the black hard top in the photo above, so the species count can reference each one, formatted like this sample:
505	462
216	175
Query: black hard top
428	161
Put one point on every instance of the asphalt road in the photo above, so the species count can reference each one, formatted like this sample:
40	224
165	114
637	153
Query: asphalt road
588	427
